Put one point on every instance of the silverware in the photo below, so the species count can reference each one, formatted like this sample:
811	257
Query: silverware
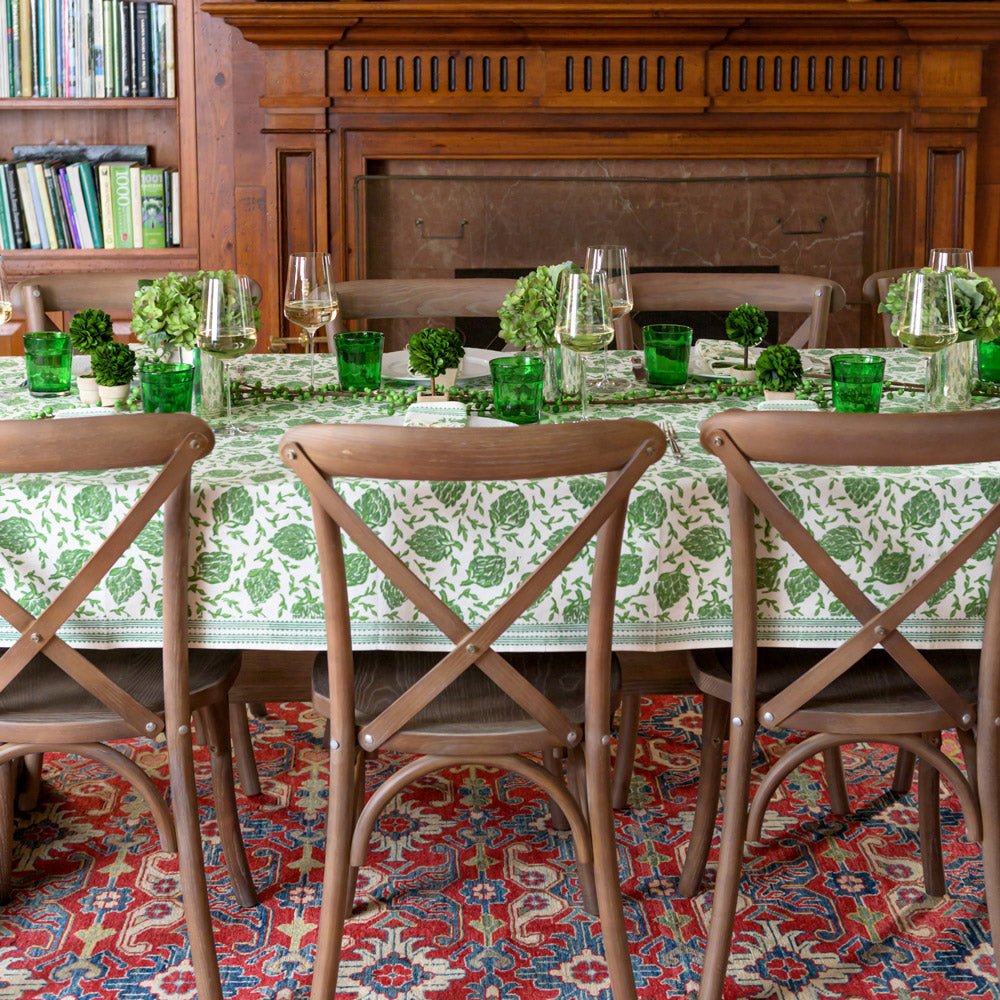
675	446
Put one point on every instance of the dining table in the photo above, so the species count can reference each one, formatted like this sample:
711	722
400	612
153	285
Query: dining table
254	578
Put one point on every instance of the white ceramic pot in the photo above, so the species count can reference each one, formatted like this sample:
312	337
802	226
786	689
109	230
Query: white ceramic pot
740	374
87	387
773	395
111	394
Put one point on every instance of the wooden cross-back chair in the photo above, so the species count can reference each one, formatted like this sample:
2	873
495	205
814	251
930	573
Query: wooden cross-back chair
876	285
894	694
472	705
55	697
722	291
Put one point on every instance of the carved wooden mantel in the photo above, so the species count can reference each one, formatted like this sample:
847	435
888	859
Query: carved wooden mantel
897	84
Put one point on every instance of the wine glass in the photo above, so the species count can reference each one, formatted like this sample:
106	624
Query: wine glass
944	257
227	328
928	323
310	299
613	261
583	320
5	304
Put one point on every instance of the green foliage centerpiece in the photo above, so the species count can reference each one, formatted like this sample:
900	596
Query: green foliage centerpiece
746	325
89	330
779	369
114	365
528	319
433	351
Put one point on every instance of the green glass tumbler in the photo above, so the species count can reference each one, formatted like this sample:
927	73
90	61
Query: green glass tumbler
667	347
48	362
359	359
989	361
856	381
518	381
166	387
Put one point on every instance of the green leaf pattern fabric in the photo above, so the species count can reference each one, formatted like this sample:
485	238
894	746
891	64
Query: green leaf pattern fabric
255	580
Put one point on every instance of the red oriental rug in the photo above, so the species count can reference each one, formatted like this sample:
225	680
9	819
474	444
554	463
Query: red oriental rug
470	896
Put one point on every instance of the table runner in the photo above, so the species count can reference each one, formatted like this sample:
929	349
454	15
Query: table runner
255	581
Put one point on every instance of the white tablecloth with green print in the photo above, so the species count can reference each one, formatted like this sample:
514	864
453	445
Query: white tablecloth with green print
255	580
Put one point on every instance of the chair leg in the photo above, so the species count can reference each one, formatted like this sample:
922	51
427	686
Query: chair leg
734	824
336	873
902	778
628	732
216	718
608	881
359	803
257	709
707	808
836	787
577	773
8	773
929	819
191	862
246	764
30	782
988	772
553	764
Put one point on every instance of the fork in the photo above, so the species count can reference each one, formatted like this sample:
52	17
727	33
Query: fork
675	446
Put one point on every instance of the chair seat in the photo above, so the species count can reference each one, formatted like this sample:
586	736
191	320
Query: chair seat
380	676
43	695
875	695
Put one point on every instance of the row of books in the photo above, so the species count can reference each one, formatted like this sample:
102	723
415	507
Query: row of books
52	205
86	48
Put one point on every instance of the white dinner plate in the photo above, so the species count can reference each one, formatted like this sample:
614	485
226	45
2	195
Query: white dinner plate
396	420
475	364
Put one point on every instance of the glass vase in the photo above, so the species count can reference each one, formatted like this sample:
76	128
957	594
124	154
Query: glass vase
552	383
951	373
209	386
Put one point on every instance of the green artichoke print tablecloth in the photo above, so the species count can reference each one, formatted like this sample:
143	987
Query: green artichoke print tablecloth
255	581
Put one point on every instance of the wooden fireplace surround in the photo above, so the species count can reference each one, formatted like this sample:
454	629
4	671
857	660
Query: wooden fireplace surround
898	84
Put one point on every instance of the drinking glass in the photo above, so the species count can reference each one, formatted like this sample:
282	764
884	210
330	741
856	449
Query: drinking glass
166	387
928	323
227	328
583	320
359	359
48	363
667	352
613	261
310	299
517	388
856	382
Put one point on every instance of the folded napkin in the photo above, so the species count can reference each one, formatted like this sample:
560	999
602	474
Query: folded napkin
448	413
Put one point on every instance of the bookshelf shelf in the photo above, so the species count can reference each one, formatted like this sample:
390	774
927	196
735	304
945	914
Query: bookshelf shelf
87	103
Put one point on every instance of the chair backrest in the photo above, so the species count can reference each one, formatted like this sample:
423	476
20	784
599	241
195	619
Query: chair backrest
876	285
38	297
741	438
172	442
711	291
621	449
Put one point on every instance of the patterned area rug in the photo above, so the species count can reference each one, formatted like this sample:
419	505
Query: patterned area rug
470	895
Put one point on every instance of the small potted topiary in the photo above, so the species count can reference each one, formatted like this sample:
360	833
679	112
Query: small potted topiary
746	325
436	351
779	371
89	330
114	366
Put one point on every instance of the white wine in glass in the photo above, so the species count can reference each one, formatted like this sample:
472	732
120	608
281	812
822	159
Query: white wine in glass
5	303
928	323
613	261
310	300
583	320
227	328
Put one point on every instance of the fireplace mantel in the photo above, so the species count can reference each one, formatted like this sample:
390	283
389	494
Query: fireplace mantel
897	85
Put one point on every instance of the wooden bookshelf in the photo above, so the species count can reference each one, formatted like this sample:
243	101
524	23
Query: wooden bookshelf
166	125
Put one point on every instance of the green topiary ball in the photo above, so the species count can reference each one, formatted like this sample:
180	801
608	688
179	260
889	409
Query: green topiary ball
779	368
113	364
435	349
89	329
746	325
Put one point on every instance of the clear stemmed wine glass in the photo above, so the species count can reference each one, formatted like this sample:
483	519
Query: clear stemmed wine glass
5	304
310	299
583	320
928	323
613	261
942	258
227	328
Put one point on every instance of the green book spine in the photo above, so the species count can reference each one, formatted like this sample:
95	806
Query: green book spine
92	204
121	205
51	187
154	232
